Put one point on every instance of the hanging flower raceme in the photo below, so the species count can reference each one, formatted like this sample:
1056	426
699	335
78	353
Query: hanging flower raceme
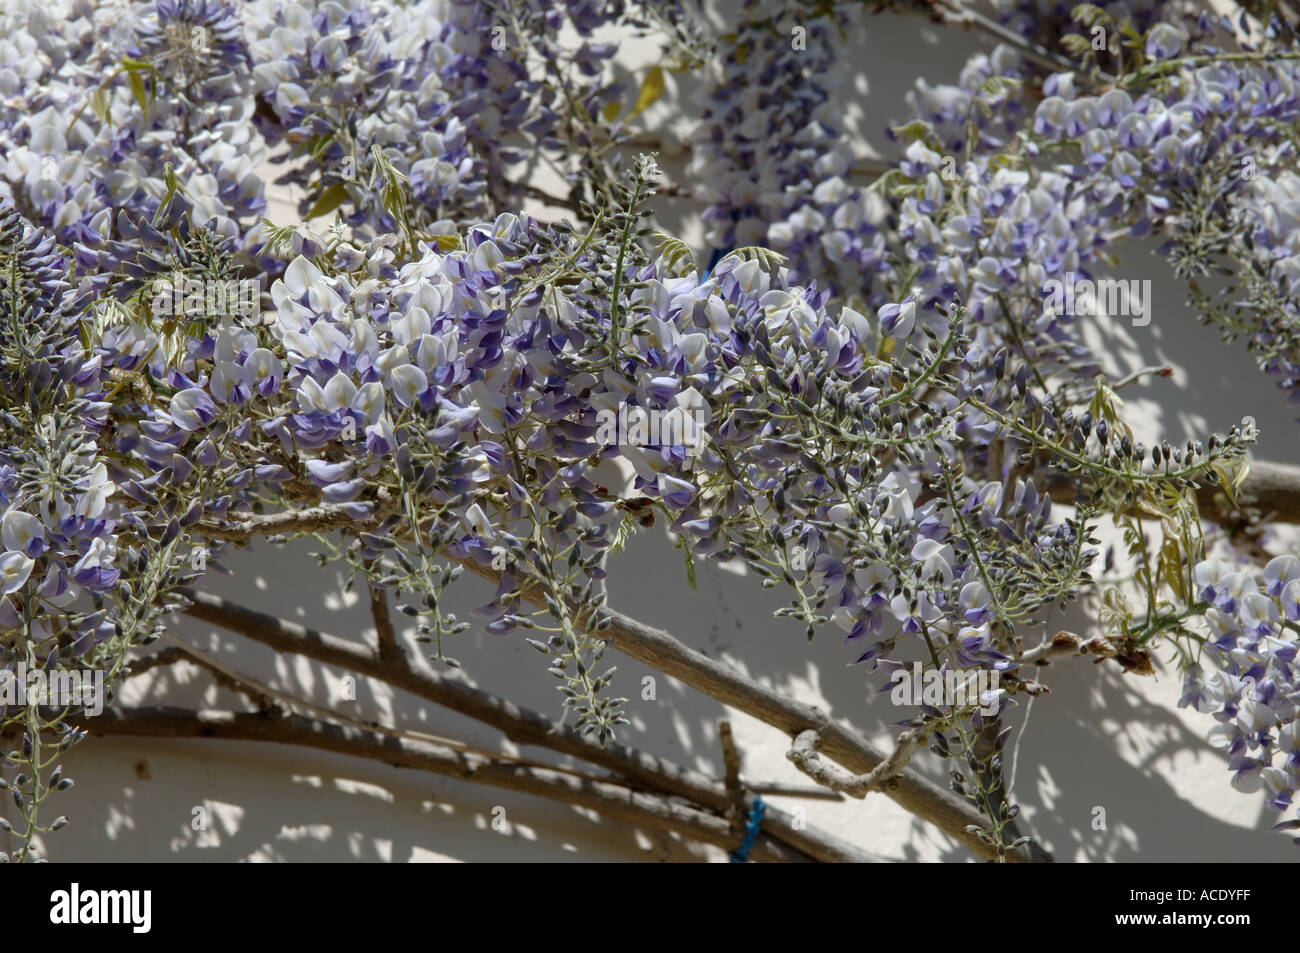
1251	685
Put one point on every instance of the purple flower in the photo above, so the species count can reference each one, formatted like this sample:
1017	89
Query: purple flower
976	603
897	320
675	493
23	533
1163	42
324	473
90	570
192	409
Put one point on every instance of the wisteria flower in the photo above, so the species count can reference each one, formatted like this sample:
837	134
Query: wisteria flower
193	409
22	533
15	570
897	320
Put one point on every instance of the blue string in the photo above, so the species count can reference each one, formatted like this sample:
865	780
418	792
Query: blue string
717	256
756	812
721	253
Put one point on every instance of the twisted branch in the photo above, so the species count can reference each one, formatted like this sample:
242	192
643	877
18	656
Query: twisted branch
518	724
803	754
611	800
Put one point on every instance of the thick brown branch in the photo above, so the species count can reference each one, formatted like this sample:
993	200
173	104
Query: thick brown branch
610	800
309	519
1272	489
181	652
731	776
385	634
518	724
803	754
662	651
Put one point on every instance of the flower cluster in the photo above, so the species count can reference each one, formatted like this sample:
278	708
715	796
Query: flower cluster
1194	148
57	529
777	169
122	95
457	97
100	483
873	426
1252	690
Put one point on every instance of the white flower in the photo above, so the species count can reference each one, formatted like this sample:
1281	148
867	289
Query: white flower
96	493
18	529
15	568
339	391
1258	613
1280	571
192	409
990	496
369	401
260	366
935	559
477	523
900	497
1208	572
840	514
867	578
412	326
846	617
408	382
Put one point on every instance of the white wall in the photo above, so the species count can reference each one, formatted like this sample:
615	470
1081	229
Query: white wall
1099	738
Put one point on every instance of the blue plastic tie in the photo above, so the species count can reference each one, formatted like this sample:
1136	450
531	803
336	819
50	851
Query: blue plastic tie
717	256
756	812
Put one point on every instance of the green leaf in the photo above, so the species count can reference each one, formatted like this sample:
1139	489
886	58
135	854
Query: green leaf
1076	45
1004	161
652	87
918	130
1089	14
770	260
171	183
1231	474
1171	568
625	530
278	236
885	180
137	89
320	145
673	250
99	104
996	86
329	200
680	62
690	566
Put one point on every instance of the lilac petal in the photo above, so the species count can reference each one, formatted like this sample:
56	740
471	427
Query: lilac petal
192	409
323	472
